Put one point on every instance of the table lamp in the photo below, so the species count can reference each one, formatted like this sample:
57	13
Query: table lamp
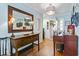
71	29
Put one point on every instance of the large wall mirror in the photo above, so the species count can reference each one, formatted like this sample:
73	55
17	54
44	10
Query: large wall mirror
19	21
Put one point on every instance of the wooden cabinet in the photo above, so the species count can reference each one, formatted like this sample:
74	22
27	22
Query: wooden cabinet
70	45
57	40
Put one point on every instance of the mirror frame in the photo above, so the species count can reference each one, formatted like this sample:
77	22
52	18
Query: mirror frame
10	15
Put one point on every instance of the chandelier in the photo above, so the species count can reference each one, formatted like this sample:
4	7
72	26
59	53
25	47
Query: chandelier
50	10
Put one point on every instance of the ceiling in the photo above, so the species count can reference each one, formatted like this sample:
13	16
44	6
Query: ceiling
61	8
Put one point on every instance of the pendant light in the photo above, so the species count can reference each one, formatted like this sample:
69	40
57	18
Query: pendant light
50	10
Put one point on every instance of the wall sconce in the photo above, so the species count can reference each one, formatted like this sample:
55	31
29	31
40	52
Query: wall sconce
12	27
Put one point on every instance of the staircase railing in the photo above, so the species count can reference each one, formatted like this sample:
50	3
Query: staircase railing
5	46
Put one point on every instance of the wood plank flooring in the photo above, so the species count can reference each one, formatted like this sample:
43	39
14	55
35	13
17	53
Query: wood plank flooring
46	49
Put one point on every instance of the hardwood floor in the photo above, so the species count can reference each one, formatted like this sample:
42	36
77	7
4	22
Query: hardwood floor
46	49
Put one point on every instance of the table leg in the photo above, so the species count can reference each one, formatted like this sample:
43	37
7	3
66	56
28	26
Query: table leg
17	53
54	48
11	48
32	46
38	43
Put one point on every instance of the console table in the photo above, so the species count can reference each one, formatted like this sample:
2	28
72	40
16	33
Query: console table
22	40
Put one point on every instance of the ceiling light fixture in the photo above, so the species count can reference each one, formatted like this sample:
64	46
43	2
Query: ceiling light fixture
50	10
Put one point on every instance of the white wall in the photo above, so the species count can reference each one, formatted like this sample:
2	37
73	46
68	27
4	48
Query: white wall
4	19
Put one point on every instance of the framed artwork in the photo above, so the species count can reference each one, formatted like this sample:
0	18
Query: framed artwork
18	20
47	25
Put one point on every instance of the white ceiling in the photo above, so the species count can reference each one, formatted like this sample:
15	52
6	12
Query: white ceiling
61	8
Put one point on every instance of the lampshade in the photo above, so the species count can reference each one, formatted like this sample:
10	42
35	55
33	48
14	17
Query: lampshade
50	10
71	29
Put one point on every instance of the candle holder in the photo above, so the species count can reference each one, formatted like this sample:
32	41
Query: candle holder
12	29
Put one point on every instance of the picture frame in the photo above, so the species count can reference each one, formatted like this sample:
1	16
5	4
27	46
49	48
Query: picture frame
19	21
